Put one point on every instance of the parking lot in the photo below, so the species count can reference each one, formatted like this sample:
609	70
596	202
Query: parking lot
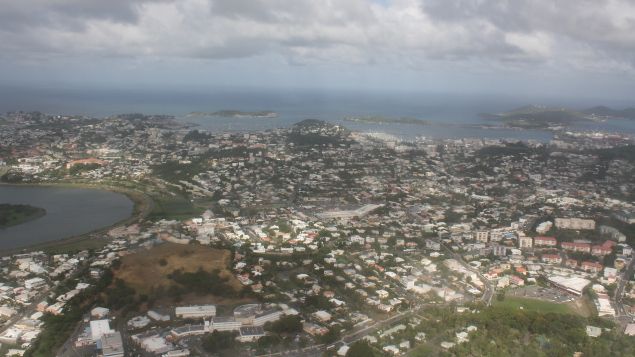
542	293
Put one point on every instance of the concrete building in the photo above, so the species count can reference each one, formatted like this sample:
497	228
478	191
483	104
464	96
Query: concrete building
626	217
482	236
575	223
157	316
552	258
98	328
195	312
177	353
112	345
188	330
250	333
525	242
545	241
574	285
576	247
247	313
322	315
267	316
99	312
224	323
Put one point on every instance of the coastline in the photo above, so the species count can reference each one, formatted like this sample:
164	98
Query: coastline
142	206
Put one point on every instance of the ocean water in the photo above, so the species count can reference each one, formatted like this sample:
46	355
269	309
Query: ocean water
452	115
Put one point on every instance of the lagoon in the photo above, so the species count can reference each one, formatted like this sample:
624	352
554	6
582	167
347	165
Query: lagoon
69	212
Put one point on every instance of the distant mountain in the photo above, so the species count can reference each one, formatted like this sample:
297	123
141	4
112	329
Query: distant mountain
602	111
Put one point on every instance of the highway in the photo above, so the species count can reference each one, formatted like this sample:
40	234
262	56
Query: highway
621	315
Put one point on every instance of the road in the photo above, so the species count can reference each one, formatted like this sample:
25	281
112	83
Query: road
488	294
621	314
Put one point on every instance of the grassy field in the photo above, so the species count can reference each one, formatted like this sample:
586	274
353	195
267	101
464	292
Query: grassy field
173	207
70	246
148	270
528	304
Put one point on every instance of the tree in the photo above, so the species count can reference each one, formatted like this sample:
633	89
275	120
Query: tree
287	324
219	340
360	349
331	336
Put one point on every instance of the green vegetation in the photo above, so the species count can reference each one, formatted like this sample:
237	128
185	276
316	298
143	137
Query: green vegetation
287	324
219	341
80	168
58	328
11	215
528	304
361	349
75	245
119	295
506	331
268	342
510	149
313	139
628	113
318	302
626	153
532	117
173	207
203	283
333	335
197	136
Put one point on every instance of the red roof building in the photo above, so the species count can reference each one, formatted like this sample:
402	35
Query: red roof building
552	258
576	247
592	267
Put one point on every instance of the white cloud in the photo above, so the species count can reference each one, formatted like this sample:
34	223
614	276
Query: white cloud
573	33
536	45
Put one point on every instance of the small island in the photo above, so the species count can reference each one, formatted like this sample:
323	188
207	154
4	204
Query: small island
385	120
235	114
543	117
12	214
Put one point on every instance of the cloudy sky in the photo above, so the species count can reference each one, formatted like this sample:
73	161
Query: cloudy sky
553	47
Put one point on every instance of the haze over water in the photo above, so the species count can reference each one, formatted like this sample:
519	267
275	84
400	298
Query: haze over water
455	113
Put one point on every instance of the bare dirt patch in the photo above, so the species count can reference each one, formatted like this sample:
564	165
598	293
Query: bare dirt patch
581	306
148	270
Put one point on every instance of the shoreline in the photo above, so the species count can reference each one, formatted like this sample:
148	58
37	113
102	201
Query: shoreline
142	206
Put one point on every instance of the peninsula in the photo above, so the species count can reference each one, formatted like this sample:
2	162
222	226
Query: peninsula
12	215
